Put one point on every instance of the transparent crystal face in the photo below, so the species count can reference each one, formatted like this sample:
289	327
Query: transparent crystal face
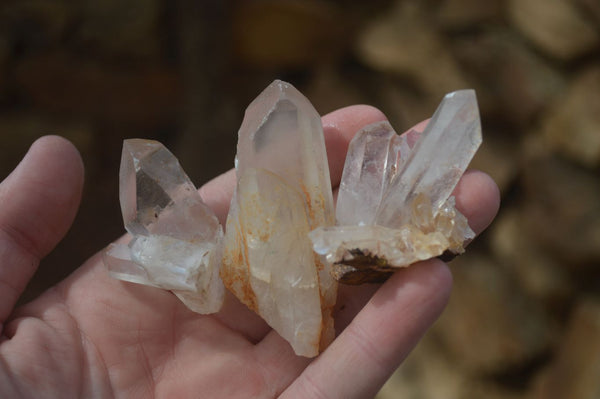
157	197
170	262
282	134
175	235
375	155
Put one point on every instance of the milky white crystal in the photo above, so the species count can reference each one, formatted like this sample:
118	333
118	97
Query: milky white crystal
176	242
283	192
395	205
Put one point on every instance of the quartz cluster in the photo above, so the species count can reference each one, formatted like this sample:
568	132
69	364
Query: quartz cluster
176	242
394	205
283	252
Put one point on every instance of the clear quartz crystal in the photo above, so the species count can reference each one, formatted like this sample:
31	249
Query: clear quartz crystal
176	237
283	192
438	160
374	157
395	205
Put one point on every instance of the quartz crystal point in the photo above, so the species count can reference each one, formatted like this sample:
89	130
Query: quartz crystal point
439	159
395	205
283	192
373	160
176	237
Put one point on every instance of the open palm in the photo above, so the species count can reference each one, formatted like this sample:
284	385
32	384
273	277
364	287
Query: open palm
93	336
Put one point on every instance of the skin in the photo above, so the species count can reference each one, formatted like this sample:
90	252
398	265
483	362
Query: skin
92	336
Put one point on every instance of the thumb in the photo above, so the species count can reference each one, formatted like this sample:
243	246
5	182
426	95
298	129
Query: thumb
38	202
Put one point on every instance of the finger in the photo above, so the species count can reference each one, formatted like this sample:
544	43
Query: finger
217	194
478	198
381	335
39	201
279	364
420	127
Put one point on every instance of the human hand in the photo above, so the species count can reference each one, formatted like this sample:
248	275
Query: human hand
93	336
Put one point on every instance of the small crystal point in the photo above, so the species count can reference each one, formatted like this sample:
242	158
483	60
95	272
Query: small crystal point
283	192
394	203
176	237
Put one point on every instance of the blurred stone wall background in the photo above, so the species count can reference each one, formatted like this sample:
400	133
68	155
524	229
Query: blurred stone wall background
524	318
